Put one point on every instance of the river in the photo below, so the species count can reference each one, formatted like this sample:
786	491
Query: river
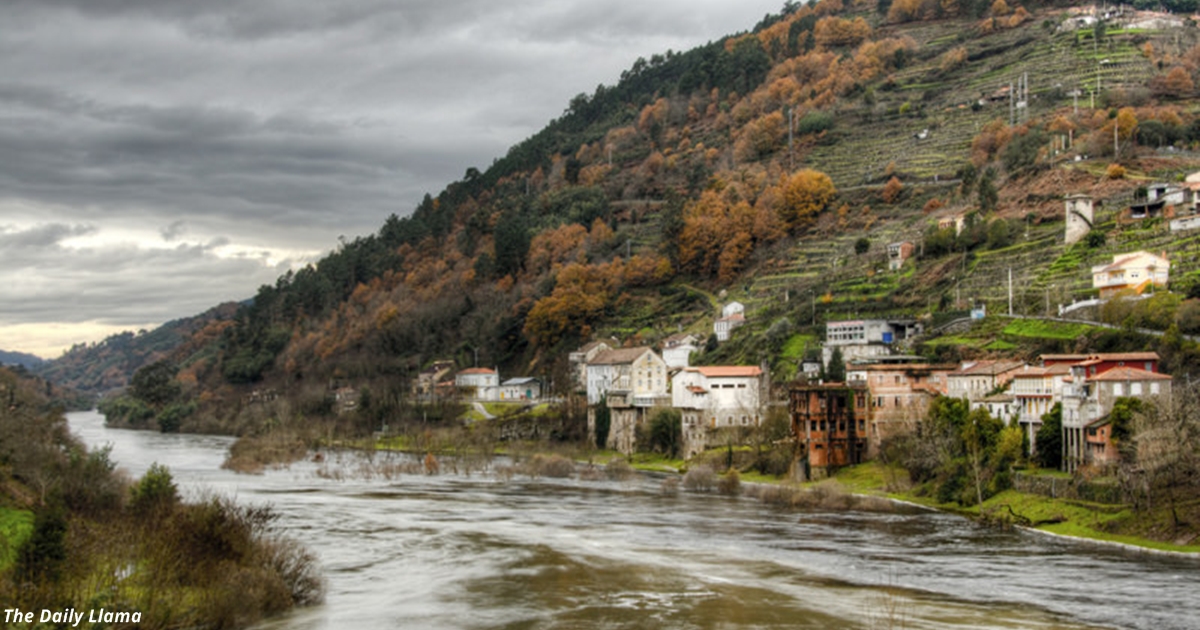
473	552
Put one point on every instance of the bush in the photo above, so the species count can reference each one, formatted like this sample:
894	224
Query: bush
155	492
700	479
730	484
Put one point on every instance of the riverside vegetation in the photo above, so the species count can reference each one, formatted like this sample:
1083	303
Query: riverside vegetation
77	535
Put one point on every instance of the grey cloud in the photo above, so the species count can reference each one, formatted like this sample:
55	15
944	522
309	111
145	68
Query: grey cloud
272	125
41	236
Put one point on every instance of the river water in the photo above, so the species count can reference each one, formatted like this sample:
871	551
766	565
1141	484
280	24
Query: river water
482	551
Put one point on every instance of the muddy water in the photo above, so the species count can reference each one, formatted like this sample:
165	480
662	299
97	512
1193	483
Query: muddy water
480	551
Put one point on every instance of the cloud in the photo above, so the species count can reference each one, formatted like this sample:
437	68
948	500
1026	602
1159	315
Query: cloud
147	147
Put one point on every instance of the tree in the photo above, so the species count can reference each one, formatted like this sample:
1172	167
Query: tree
155	492
666	432
1048	449
155	384
603	418
988	196
862	245
892	190
836	372
805	194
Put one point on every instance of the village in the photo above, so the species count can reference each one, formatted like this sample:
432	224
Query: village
880	388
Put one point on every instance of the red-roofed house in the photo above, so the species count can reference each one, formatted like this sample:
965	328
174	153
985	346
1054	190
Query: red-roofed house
713	397
1089	399
478	384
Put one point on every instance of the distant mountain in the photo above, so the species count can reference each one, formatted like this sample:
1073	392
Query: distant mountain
20	358
107	366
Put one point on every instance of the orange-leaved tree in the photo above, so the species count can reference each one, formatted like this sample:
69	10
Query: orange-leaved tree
805	194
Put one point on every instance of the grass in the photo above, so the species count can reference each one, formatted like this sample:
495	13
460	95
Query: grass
793	348
15	527
1079	519
1041	329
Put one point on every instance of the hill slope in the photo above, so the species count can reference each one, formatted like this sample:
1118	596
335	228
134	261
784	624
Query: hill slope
772	167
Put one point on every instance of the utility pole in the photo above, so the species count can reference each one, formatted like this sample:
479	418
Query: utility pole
1010	293
791	126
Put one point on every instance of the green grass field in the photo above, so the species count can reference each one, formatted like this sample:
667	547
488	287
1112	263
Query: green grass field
15	527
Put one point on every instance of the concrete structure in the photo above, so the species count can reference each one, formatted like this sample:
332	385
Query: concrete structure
1034	391
717	397
678	349
579	359
1080	217
425	385
866	339
1088	400
630	381
481	384
901	389
732	316
829	423
898	253
1000	406
521	389
1135	271
975	380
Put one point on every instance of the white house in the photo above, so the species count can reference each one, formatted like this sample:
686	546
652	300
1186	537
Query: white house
975	380
579	360
1088	399
630	381
481	384
732	316
521	389
678	349
715	397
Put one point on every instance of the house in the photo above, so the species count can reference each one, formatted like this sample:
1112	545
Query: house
425	385
479	384
898	253
829	422
521	389
1135	271
1001	406
1089	399
1035	390
732	316
956	221
629	381
579	359
716	397
900	389
866	339
975	380
677	349
1080	217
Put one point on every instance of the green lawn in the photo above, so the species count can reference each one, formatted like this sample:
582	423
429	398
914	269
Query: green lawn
1041	329
15	527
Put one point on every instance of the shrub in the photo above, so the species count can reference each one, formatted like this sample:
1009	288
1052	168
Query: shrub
700	479
1115	171
155	492
730	484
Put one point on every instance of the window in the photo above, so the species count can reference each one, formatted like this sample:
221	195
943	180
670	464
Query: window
1135	389
1118	390
1153	388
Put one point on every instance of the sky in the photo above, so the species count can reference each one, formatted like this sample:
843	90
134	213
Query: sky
159	157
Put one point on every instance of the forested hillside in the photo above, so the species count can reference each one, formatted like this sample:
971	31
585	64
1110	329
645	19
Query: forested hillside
773	167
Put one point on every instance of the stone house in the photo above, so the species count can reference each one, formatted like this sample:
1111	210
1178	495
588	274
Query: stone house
716	397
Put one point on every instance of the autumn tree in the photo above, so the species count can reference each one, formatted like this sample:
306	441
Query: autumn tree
805	193
892	190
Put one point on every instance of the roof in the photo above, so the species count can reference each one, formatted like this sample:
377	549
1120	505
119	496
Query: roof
999	398
1129	374
1119	261
728	371
696	389
1032	372
1125	356
736	317
520	380
477	370
620	356
989	368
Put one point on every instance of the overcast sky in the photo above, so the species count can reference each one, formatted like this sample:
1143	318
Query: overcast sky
158	157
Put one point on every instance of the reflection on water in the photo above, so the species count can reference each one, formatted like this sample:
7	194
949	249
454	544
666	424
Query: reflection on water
478	552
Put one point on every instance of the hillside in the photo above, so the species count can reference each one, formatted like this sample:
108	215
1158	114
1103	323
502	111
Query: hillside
772	167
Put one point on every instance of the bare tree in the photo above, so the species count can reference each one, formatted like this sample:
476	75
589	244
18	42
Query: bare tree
1166	448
